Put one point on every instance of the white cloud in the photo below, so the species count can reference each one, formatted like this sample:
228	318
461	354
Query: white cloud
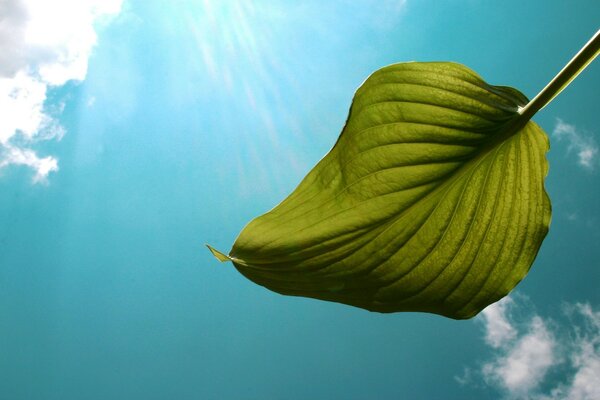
526	361
585	359
42	44
527	349
584	145
499	331
18	156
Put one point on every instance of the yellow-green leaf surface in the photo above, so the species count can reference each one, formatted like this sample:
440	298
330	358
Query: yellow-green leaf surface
431	200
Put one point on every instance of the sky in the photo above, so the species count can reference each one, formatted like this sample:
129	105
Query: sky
134	132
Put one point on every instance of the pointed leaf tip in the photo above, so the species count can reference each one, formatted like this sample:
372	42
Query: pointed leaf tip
218	255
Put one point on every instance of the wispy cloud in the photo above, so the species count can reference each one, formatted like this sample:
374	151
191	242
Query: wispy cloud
42	44
499	330
524	362
582	144
18	156
585	357
528	349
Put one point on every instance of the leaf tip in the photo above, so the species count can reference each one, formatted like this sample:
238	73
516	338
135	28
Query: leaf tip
218	255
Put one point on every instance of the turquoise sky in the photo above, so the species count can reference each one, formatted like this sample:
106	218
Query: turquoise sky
197	116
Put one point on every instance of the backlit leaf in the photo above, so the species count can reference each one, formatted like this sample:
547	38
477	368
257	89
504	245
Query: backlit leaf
431	200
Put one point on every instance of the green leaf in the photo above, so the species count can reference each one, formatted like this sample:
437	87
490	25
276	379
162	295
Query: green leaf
431	200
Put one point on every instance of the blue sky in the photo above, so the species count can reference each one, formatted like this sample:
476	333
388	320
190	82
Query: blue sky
131	133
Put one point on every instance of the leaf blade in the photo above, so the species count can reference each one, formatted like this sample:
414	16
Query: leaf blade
392	218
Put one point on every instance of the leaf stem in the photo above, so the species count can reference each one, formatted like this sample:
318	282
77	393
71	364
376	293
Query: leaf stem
577	64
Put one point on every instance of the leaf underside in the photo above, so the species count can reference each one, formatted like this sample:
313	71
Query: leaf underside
431	200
